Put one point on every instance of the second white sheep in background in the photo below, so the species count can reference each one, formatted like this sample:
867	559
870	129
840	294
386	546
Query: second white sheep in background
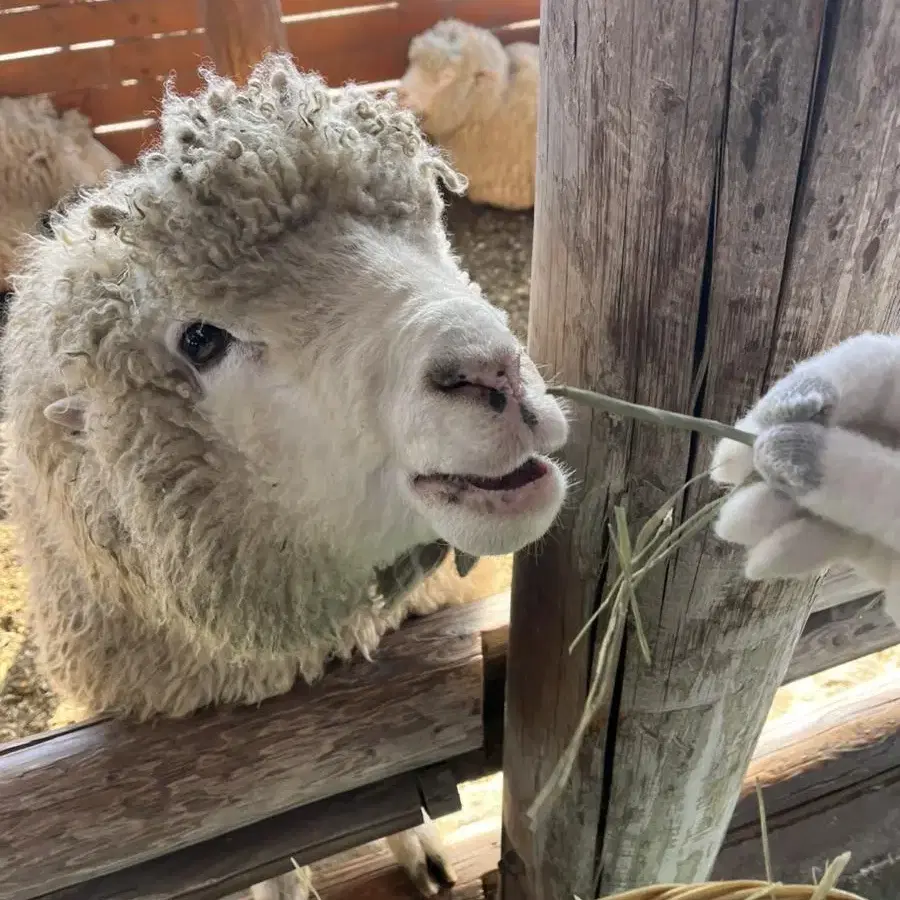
478	100
44	155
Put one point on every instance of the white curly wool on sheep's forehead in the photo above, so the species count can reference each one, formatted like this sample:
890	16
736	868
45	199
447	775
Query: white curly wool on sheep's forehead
249	163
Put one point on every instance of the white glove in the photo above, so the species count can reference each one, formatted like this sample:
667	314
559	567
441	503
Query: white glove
828	452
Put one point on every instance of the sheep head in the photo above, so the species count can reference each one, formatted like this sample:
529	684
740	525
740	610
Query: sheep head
272	359
456	70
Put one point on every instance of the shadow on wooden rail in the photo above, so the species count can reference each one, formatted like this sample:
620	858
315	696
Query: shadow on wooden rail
211	804
831	782
104	796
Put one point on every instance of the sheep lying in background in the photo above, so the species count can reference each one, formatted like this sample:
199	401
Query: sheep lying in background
478	100
43	157
253	401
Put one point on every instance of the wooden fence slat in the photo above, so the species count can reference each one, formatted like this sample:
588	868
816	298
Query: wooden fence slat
214	869
123	102
78	69
832	636
831	783
128	144
96	799
211	868
76	23
841	634
18	4
846	746
368	45
372	873
241	32
841	585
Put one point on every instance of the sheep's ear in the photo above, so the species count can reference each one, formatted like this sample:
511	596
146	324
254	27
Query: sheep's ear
68	412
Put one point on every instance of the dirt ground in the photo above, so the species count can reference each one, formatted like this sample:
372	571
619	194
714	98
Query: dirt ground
27	705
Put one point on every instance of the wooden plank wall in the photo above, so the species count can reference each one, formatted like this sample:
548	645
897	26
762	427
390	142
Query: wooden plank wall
108	57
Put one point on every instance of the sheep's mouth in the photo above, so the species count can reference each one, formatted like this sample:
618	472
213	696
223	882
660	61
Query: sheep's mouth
532	470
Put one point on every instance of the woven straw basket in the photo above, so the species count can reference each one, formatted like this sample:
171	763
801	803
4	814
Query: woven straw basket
731	890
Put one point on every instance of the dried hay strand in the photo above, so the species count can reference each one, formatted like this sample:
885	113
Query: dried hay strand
656	542
749	890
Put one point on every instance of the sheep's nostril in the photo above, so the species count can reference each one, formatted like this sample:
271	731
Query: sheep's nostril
528	415
497	400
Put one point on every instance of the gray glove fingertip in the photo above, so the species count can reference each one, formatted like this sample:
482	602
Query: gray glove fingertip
790	457
799	397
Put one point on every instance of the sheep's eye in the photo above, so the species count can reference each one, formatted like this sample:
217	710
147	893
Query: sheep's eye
204	344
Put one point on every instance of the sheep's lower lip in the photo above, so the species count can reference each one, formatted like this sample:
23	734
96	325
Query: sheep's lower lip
455	486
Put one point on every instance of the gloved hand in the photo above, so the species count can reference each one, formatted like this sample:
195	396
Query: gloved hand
828	455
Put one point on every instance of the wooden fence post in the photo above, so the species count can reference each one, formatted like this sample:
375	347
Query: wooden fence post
717	197
240	32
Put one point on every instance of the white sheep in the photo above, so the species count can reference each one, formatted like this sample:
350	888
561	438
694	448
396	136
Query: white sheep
43	157
478	100
252	399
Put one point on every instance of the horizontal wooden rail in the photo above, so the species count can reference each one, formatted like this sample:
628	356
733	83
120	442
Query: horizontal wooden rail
82	804
97	798
368	43
120	81
841	585
233	862
77	23
64	24
831	783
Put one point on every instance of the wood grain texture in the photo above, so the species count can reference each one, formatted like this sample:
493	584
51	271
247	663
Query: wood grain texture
123	83
124	102
76	23
368	43
842	276
234	862
95	799
372	873
841	585
839	751
241	32
831	783
70	70
17	4
841	634
658	129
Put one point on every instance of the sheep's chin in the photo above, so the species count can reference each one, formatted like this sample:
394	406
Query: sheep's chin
492	522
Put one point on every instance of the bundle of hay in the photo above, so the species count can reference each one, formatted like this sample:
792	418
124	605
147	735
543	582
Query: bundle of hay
735	890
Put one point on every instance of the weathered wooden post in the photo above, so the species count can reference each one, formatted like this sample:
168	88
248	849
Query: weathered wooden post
240	32
717	197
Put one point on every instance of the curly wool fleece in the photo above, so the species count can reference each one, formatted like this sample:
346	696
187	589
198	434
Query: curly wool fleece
161	579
